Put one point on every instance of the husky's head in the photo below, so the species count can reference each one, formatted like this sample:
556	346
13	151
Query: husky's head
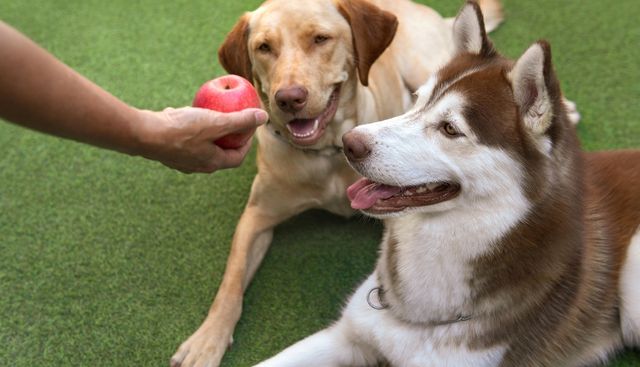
483	127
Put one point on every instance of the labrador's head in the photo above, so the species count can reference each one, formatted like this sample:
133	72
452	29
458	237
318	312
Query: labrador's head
305	57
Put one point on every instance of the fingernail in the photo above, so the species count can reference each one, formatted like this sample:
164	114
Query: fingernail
261	117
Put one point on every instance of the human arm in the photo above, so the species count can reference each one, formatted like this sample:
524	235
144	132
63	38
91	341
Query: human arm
40	92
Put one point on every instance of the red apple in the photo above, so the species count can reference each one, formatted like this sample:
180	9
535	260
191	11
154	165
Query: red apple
229	93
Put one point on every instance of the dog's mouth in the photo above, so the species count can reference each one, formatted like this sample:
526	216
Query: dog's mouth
377	198
307	131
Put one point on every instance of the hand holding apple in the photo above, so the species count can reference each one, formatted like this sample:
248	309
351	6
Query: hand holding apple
229	93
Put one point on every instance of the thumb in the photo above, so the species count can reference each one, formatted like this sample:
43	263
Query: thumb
227	123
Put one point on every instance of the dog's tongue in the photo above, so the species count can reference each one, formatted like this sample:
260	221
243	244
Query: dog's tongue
301	126
364	193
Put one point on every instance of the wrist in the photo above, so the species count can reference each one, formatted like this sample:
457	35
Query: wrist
145	133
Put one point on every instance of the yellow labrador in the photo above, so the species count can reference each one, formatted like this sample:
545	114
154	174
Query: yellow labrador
321	68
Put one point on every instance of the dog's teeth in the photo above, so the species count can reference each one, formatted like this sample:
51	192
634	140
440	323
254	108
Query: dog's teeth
316	123
432	186
421	189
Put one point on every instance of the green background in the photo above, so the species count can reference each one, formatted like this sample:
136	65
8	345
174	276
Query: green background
109	260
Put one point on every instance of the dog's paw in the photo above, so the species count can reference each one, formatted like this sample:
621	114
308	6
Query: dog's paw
204	348
572	111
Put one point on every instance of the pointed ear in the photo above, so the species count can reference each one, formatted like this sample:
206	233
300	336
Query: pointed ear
532	80
373	30
469	34
234	52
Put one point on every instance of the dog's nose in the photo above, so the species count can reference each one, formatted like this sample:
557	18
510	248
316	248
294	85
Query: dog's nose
355	146
292	99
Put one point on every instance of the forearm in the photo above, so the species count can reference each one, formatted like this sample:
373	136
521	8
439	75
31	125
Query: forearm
40	92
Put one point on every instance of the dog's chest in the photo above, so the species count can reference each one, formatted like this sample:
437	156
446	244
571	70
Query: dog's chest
407	345
335	189
425	279
323	180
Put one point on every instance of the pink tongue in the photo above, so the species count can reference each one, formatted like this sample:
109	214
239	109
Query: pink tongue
301	126
364	193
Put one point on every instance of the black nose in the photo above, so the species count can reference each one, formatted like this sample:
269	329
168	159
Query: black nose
356	147
292	99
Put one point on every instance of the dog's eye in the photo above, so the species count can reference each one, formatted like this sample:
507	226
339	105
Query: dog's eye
264	47
320	39
449	130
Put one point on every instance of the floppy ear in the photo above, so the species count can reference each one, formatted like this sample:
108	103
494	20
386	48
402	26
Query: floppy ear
234	52
534	87
373	30
469	34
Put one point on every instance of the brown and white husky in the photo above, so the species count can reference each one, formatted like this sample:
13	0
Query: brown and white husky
505	244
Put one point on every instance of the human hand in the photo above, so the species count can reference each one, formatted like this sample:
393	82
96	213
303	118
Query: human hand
183	138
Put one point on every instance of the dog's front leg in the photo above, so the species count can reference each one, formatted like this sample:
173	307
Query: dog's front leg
331	347
268	206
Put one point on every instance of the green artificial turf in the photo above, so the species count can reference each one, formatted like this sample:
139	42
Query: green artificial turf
109	260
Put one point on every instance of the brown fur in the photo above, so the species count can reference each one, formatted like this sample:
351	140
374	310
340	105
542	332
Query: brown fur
233	54
391	264
373	30
549	288
611	176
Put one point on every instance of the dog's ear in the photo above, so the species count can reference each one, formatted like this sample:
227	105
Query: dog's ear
535	87
373	30
469	34
234	52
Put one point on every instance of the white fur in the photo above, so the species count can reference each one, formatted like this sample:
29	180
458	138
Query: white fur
364	334
572	111
467	32
410	150
426	90
528	71
434	246
397	159
630	294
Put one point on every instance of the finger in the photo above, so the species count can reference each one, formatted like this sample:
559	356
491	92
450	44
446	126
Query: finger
227	123
229	158
246	147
